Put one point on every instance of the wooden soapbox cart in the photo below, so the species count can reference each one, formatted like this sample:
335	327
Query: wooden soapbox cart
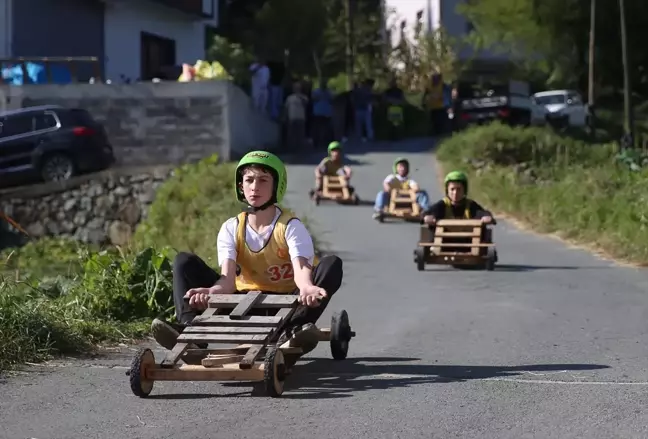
402	205
336	188
449	246
257	356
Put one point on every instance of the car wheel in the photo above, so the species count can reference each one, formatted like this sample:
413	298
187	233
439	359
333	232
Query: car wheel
57	167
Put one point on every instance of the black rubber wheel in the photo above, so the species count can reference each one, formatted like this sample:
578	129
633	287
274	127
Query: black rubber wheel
57	167
490	262
356	200
143	360
381	217
274	372
340	335
419	258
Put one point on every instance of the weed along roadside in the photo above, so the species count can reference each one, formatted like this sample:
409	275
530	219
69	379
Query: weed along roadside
586	193
64	297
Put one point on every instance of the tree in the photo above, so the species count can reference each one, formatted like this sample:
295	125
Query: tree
428	52
291	28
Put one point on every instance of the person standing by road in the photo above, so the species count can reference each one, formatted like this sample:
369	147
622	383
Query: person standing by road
260	83
322	114
295	110
362	97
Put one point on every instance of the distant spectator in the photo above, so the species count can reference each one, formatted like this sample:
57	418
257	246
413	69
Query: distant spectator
276	92
260	83
362	97
322	114
295	110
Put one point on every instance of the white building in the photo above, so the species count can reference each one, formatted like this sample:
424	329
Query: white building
142	35
132	38
436	14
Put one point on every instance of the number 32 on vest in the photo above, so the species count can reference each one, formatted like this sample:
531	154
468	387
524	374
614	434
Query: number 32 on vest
281	272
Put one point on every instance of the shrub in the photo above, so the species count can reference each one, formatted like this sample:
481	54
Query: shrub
556	184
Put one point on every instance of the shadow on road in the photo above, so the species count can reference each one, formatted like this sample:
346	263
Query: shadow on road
514	268
522	267
324	378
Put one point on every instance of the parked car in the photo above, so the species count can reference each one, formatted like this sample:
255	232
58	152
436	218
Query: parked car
51	143
561	108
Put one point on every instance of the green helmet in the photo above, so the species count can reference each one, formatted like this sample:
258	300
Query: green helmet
457	176
400	160
273	164
333	146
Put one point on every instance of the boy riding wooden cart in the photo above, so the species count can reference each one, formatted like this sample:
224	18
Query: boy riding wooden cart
266	299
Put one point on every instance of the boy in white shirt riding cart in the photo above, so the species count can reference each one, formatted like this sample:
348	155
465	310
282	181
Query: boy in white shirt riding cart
272	251
399	179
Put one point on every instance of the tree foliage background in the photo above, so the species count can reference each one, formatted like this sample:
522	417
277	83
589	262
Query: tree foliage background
308	36
547	39
550	39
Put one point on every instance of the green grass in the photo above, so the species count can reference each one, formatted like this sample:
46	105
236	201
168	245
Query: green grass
581	191
63	297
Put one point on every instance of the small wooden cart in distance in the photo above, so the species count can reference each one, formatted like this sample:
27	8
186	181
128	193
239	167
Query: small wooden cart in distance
257	356
402	205
336	188
449	230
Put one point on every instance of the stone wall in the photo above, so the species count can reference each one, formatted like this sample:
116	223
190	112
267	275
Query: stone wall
161	123
101	211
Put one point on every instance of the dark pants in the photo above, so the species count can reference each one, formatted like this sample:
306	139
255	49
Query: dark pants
439	121
189	271
296	135
322	131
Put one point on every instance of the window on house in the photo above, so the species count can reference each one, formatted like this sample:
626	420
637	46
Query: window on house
158	56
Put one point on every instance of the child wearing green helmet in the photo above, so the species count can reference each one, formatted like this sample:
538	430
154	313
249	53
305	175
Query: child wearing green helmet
264	248
456	205
333	164
399	179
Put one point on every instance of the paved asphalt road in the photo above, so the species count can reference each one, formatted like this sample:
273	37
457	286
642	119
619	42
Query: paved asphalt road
550	345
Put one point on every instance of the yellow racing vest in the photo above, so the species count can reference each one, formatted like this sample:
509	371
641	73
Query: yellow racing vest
448	210
434	99
395	183
269	269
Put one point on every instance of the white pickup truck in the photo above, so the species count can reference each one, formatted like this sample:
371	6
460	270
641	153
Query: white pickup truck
564	106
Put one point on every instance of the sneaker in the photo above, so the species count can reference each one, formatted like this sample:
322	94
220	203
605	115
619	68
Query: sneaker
307	338
166	334
376	215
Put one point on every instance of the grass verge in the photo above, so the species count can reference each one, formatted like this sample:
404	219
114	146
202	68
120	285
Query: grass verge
586	193
64	297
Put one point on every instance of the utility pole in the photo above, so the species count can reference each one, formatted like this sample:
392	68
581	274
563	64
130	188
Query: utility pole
627	103
590	76
348	9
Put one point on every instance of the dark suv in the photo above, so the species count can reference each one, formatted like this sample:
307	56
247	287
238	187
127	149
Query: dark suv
51	143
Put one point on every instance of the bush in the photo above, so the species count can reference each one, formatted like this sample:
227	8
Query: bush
556	184
62	297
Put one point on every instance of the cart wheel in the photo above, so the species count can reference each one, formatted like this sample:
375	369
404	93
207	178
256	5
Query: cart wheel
317	200
340	335
381	217
490	262
419	258
143	361
356	200
274	372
